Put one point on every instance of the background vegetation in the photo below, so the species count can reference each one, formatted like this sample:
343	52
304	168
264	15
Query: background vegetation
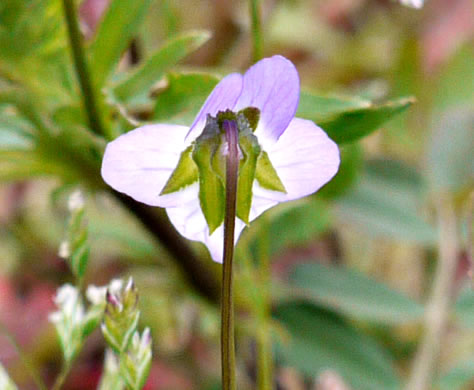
365	283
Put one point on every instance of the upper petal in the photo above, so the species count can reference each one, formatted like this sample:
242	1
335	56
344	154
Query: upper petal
223	97
189	221
305	159
140	162
272	85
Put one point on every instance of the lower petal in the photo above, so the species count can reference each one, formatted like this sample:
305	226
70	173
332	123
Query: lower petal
140	162
189	221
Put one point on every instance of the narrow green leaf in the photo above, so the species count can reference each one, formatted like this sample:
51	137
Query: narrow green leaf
321	341
352	161
119	26
318	108
386	203
185	173
183	96
141	80
266	175
351	125
354	294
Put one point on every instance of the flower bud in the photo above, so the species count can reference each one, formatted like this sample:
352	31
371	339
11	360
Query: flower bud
121	316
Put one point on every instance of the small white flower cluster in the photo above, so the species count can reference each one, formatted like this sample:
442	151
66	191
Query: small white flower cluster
72	321
413	3
5	381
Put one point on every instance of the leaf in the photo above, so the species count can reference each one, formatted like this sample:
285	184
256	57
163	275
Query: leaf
141	80
120	24
347	174
386	203
354	294
293	224
457	377
318	108
183	96
354	124
450	166
322	341
465	308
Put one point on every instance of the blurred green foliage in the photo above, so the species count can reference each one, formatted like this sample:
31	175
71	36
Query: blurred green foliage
360	65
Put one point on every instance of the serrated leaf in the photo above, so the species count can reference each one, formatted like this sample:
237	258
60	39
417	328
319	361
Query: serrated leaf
183	96
119	25
354	294
168	55
321	341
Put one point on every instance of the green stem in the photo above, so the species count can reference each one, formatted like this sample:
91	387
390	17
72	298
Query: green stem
438	307
61	378
26	361
227	305
82	71
264	346
257	36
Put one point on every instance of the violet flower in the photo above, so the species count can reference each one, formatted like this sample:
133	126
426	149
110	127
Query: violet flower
282	157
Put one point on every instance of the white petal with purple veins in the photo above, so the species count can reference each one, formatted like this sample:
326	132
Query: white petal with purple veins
140	162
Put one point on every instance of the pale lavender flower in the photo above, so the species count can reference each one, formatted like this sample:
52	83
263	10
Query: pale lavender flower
141	162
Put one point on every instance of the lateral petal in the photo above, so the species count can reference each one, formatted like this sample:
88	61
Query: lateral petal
304	158
140	162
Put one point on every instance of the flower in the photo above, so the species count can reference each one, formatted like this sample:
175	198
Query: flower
293	156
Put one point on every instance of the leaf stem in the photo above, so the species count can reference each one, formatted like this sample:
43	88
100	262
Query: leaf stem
257	36
227	305
437	309
88	94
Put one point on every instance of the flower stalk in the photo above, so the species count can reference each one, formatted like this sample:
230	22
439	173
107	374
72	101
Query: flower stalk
227	306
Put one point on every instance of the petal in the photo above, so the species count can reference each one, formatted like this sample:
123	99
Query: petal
140	162
305	159
189	221
223	97
272	85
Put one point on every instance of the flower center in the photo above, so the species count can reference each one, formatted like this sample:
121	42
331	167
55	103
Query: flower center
205	161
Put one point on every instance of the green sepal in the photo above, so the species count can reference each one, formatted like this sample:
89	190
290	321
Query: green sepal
252	114
186	173
250	150
266	174
211	187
